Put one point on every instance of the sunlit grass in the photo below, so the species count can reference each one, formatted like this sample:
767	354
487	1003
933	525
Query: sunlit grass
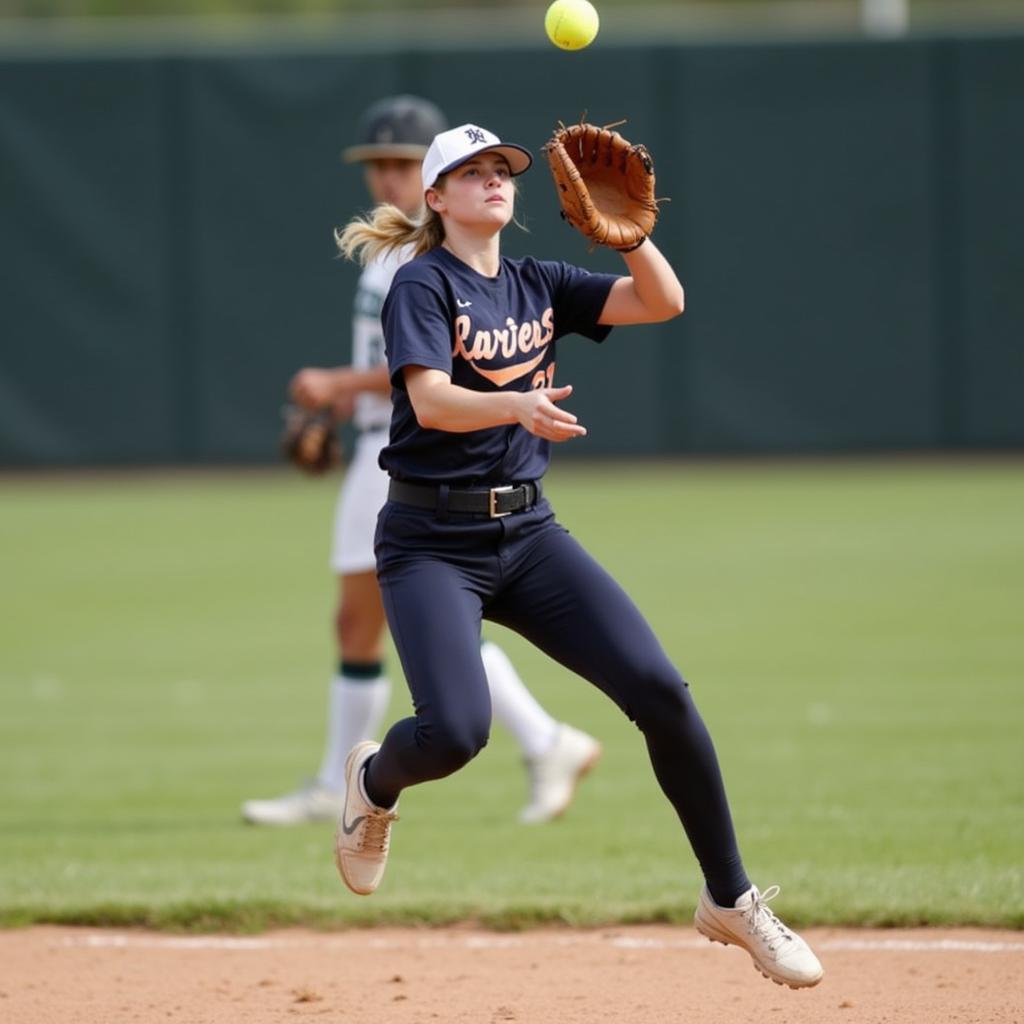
852	632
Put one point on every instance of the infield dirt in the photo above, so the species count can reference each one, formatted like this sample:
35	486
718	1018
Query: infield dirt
626	975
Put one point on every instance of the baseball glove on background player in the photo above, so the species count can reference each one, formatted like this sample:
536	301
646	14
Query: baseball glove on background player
605	184
309	439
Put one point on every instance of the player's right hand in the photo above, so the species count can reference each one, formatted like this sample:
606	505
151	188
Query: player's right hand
313	388
540	416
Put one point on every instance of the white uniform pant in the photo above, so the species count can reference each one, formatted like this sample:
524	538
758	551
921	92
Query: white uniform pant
363	493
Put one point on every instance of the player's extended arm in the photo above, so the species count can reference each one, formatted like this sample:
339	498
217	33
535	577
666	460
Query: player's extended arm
441	405
652	293
315	388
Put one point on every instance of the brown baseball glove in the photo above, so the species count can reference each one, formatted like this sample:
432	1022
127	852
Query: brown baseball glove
605	184
309	439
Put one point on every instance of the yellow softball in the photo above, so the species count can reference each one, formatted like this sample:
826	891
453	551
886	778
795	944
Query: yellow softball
571	24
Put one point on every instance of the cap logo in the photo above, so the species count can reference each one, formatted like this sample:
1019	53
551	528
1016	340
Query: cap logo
454	147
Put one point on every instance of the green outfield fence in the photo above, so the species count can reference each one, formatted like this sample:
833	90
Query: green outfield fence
846	215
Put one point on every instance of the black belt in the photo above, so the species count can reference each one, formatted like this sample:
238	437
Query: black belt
494	501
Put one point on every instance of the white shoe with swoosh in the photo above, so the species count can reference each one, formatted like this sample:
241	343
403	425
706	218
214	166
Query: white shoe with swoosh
364	830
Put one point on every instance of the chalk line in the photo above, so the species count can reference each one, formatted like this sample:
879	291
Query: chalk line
107	940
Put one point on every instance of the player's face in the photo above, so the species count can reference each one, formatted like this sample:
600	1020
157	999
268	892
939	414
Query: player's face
479	192
395	181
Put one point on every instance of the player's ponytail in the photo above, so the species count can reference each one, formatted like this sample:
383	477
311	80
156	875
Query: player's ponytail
385	229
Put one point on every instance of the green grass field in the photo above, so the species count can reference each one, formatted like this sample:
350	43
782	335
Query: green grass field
853	632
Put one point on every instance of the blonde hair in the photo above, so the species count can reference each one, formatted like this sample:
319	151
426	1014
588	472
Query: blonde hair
385	229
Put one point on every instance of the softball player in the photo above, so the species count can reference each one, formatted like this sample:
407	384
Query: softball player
467	534
394	138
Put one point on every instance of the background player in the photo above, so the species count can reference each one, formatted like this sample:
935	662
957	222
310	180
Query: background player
466	533
394	137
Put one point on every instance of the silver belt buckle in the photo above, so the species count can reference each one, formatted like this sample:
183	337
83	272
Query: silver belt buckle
492	506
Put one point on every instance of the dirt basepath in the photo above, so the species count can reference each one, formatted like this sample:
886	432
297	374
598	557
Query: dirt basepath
635	975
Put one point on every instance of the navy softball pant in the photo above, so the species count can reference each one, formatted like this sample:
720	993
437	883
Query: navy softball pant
441	575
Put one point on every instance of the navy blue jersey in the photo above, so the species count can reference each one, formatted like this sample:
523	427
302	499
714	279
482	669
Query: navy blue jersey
488	334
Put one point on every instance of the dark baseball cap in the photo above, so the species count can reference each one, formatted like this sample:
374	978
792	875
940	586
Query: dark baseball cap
399	127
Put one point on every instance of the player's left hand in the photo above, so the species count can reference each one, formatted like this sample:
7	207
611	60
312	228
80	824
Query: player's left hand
604	183
540	416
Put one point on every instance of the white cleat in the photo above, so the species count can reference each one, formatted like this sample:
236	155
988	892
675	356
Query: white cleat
364	830
311	802
555	775
778	953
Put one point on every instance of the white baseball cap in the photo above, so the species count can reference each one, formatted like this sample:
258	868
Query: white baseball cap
457	145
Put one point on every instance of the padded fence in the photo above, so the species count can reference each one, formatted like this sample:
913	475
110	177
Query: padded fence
846	217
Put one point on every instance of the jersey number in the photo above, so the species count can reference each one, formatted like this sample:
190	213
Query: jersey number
544	378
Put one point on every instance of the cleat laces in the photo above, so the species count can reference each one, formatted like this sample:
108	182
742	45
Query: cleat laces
762	922
377	831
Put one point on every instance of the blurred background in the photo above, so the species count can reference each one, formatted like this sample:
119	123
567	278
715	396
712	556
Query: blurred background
845	212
